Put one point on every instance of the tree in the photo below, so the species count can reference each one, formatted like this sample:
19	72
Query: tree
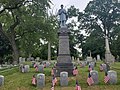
13	14
102	15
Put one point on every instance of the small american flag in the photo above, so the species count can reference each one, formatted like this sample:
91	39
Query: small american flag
33	80
52	72
89	68
35	65
75	72
52	87
54	80
36	68
90	80
106	78
77	86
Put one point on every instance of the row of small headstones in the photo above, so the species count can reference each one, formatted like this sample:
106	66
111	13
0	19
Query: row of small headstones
111	74
41	79
64	78
22	60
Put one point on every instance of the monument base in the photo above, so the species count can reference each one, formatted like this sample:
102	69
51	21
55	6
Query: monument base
60	67
109	58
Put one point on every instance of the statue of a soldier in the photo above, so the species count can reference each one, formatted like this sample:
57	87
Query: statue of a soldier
62	16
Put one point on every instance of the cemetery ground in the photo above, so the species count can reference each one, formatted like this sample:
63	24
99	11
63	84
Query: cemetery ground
15	80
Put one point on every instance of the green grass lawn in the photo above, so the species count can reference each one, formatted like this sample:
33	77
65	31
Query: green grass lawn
14	80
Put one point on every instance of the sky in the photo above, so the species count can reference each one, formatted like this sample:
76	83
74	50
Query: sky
81	4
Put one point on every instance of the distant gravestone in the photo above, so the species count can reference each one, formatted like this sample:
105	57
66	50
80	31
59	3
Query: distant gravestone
23	60
27	68
64	78
98	57
89	59
82	64
104	67
20	59
47	64
94	75
73	59
40	68
1	80
37	58
0	67
20	67
113	77
32	59
40	80
78	60
32	62
92	64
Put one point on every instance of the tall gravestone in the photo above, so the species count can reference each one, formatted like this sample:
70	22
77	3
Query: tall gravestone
64	62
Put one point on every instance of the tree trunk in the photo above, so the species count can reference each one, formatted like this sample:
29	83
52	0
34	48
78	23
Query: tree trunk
49	51
14	47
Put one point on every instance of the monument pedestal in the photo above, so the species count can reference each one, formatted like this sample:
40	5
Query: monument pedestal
64	62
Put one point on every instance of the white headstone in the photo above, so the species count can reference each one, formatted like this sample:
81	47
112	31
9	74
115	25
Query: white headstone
37	58
27	68
40	80
94	75
41	68
47	64
73	59
104	67
89	59
113	76
20	59
98	57
64	78
23	60
1	80
92	65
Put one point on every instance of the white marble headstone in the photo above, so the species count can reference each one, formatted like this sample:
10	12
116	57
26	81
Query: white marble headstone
113	76
40	80
40	68
104	67
1	80
98	57
27	68
94	75
64	78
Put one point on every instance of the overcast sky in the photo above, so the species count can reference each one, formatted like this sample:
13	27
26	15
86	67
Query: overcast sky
81	4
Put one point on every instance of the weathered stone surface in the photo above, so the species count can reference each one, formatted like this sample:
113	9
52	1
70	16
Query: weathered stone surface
64	62
41	68
98	57
94	75
113	77
104	67
1	80
89	59
92	65
47	64
40	80
27	68
64	78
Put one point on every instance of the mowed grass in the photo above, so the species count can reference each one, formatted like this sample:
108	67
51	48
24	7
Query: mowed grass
14	80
